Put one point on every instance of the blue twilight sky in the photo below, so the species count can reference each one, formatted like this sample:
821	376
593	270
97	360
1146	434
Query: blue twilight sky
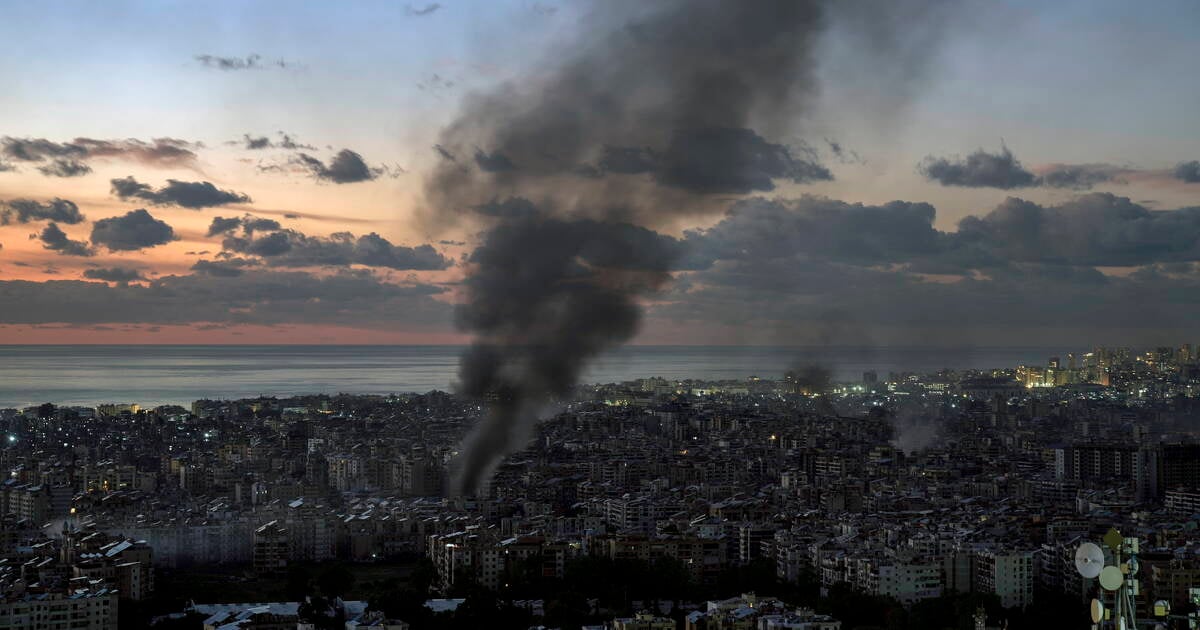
1072	80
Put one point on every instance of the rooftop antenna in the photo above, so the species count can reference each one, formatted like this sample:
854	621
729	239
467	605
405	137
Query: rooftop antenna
1116	570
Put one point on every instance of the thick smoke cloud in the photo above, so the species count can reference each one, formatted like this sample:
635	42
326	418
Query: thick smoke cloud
979	170
715	160
544	296
70	159
913	429
194	195
132	231
289	248
54	239
28	210
1188	172
808	379
662	108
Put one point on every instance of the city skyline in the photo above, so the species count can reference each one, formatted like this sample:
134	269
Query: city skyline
994	174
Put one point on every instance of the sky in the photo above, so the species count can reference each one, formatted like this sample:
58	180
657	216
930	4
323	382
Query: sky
977	173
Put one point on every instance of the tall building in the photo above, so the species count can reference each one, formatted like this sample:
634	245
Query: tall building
87	610
271	549
1008	575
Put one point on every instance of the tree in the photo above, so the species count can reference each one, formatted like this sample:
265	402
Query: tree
335	581
298	582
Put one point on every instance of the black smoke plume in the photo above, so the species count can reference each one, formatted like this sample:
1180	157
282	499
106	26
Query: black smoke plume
666	110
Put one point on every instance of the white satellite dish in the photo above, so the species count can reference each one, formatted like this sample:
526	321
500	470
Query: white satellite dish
1089	560
1111	578
1097	611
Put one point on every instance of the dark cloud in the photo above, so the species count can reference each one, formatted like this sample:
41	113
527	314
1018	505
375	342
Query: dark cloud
193	195
979	170
65	168
39	149
28	210
114	274
249	62
1095	229
261	142
135	230
423	11
1020	273
251	224
285	141
160	152
782	300
257	296
248	223
446	155
1188	172
1080	176
543	9
819	228
54	239
225	267
435	83
288	248
347	167
68	159
268	246
221	225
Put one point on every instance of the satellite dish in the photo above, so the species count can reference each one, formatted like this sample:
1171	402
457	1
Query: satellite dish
1111	578
1097	611
1089	560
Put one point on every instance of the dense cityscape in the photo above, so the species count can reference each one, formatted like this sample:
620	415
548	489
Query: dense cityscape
950	499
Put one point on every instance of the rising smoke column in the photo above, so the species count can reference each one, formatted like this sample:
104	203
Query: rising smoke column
669	109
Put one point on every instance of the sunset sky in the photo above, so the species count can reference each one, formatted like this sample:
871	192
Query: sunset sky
1009	172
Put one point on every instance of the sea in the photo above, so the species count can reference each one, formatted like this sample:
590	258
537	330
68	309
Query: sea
152	375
